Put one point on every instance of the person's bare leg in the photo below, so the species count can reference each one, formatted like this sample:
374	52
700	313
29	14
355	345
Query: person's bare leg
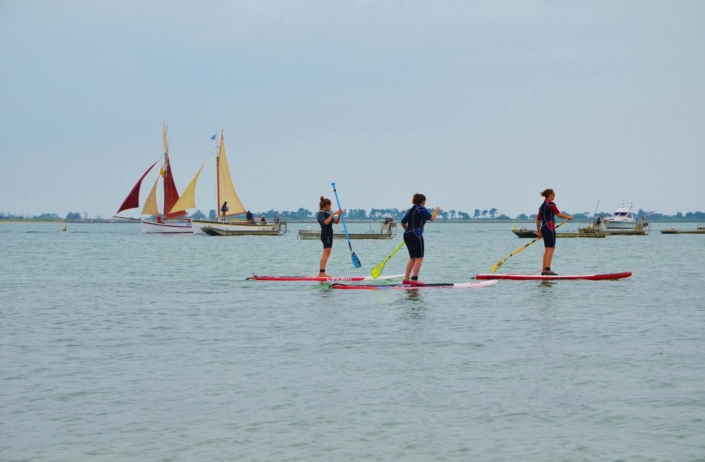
547	257
417	267
324	261
409	268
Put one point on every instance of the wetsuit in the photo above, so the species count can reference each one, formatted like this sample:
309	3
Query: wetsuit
547	215
414	220
326	229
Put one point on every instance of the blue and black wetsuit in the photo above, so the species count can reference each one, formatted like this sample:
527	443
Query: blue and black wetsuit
326	229
415	219
547	216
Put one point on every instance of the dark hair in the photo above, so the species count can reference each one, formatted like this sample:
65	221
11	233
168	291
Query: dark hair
323	202
547	192
418	199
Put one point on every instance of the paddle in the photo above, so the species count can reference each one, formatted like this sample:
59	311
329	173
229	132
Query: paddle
355	260
377	270
496	266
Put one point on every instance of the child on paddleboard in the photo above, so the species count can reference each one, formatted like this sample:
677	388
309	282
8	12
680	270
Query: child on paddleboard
326	220
413	223
546	228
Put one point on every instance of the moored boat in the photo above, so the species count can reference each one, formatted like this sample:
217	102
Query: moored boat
699	230
388	229
531	234
622	219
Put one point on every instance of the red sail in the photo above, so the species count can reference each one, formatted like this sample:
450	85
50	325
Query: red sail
133	199
171	195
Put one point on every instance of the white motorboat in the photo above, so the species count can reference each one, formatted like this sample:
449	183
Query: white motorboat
622	218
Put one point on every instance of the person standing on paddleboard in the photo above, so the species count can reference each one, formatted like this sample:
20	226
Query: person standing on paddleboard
546	228
413	223
326	220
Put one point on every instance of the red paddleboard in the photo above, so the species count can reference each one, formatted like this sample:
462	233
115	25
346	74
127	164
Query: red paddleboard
461	285
538	277
323	279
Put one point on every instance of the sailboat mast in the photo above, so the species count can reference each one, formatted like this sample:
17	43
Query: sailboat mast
165	183
217	175
165	170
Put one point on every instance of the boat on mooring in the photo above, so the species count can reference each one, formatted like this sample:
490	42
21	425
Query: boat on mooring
531	234
387	230
622	219
225	225
599	226
699	230
171	220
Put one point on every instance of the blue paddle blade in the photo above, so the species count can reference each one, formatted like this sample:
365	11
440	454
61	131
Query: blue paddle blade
356	261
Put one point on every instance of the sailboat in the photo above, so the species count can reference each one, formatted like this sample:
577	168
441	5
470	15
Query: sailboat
172	220
227	196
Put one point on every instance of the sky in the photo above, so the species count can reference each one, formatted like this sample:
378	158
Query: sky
475	104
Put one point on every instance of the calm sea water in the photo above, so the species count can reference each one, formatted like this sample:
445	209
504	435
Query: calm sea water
120	346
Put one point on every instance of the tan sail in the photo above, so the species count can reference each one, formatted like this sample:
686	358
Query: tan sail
226	189
188	197
150	206
166	144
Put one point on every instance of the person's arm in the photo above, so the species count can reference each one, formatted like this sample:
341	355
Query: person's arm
538	224
558	212
434	214
340	214
405	220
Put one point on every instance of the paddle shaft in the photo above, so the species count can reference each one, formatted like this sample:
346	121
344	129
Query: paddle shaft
499	263
342	218
355	259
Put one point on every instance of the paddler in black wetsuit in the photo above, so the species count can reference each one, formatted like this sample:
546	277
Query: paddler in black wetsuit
413	222
546	228
326	220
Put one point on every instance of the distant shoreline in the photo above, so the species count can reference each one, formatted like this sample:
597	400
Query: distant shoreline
471	221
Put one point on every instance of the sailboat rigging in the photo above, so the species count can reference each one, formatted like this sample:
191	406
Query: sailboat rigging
229	204
172	219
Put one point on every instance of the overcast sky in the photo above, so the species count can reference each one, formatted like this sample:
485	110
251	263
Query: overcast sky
474	104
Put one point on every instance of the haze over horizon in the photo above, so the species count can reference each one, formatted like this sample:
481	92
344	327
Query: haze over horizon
474	104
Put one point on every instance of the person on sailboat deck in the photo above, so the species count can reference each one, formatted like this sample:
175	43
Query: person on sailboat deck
262	221
546	228
249	216
224	209
326	220
413	223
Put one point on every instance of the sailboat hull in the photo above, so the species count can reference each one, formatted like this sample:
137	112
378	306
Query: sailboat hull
152	227
232	228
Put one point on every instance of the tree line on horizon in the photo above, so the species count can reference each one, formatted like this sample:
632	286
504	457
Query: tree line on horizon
380	214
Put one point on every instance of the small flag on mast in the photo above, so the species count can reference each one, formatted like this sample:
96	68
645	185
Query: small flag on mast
213	137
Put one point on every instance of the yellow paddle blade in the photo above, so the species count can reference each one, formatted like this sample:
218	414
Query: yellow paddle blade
377	270
496	266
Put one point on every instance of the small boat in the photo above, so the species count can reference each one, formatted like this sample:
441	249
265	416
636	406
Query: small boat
699	230
538	277
225	225
600	226
322	278
172	220
387	230
531	234
444	285
622	219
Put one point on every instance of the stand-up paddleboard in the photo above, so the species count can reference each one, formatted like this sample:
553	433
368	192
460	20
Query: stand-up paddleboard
461	285
538	277
323	279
